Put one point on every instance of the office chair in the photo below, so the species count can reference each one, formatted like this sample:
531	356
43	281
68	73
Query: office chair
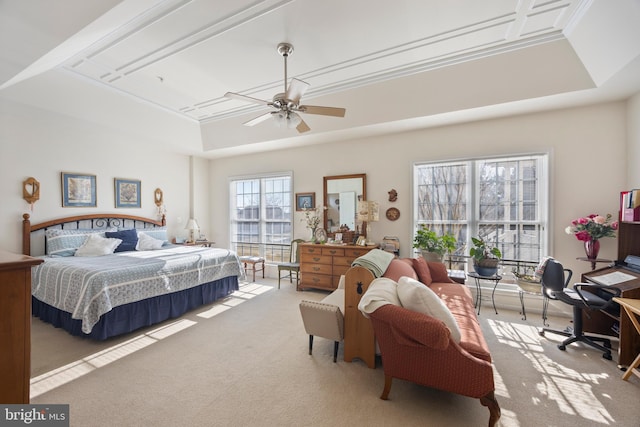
554	286
293	266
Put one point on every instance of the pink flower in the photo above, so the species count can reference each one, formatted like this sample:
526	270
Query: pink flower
593	227
599	219
583	236
583	221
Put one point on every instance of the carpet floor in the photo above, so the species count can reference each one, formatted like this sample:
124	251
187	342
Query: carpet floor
244	361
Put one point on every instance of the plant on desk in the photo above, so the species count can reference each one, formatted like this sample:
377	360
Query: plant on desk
485	257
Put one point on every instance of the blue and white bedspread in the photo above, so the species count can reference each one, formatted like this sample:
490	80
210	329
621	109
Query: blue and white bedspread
88	287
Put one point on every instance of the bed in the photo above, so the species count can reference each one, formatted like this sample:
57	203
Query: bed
140	280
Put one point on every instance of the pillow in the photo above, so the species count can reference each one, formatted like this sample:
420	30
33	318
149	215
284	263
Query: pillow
148	243
422	270
415	296
65	242
96	245
381	291
129	239
439	272
159	233
398	268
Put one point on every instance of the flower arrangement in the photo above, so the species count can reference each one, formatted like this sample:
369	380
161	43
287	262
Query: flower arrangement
312	218
593	227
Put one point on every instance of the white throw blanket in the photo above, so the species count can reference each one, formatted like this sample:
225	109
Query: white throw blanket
375	260
381	291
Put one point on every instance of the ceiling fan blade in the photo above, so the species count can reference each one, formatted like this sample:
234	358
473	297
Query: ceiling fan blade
246	98
259	119
296	89
325	111
302	127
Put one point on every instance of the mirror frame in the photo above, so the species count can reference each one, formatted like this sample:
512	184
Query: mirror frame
325	201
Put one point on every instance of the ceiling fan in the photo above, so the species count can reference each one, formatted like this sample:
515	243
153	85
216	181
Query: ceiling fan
287	105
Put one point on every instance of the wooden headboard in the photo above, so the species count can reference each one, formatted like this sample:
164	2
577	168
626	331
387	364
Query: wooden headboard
92	221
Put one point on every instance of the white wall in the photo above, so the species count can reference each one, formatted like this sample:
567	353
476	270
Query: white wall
633	141
587	146
43	144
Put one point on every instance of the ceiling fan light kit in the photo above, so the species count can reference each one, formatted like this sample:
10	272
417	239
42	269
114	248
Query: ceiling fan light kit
287	104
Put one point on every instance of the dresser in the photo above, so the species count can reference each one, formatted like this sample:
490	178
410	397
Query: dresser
15	326
322	265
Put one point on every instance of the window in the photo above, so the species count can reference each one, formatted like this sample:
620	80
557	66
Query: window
261	216
502	200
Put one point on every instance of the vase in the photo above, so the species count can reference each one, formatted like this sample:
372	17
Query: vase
313	235
591	248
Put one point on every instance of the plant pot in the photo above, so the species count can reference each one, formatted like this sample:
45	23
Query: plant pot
431	256
486	267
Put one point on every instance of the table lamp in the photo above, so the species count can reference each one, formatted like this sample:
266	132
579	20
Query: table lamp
192	226
368	212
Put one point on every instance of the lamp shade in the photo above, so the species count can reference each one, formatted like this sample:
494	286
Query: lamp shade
368	211
192	224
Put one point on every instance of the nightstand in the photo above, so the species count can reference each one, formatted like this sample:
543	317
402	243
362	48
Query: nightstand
205	243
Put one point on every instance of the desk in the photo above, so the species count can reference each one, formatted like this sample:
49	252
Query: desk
495	278
632	308
600	322
594	261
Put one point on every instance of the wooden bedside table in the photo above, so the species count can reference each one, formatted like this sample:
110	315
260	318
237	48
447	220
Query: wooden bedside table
205	243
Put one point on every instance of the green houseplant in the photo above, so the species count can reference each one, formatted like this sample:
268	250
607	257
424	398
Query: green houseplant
485	257
433	246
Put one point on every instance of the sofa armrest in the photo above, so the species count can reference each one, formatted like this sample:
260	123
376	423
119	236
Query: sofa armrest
415	329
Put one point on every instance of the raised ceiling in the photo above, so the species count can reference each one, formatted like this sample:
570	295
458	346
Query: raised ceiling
154	65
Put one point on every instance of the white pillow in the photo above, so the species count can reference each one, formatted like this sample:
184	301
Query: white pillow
148	243
415	296
96	245
380	292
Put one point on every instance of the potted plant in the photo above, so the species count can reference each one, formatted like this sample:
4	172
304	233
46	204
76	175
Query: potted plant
527	280
485	257
433	247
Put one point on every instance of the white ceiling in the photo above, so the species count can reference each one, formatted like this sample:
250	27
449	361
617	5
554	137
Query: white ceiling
160	68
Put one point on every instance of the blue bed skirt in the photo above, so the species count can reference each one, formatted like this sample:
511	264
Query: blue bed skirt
129	317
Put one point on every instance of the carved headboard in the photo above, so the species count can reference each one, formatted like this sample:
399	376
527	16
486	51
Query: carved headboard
34	233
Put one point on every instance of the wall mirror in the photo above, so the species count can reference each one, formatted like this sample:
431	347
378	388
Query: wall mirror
341	196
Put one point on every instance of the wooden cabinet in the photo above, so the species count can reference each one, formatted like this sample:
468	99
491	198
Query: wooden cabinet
15	326
322	265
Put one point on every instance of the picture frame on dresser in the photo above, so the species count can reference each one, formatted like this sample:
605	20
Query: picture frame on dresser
127	193
78	190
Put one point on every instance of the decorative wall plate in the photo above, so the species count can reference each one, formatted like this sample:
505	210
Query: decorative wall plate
393	214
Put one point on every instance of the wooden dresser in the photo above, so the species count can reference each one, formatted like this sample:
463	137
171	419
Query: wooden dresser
322	265
15	326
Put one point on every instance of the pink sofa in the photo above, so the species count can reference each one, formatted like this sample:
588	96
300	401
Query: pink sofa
420	348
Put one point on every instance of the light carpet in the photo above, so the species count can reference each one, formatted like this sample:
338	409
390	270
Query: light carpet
243	362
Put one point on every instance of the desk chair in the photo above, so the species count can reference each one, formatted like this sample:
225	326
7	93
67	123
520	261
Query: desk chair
554	286
293	266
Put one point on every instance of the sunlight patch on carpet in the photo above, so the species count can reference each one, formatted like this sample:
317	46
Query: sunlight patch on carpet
571	390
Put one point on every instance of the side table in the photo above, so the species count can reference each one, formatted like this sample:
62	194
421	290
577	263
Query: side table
632	308
495	278
205	243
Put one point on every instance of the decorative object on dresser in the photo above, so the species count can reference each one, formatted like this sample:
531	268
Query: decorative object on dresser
15	326
134	288
322	265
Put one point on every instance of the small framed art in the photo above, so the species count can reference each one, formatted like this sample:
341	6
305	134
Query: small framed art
305	201
78	190
127	193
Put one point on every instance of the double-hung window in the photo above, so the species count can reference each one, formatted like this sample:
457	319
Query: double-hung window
502	200
260	212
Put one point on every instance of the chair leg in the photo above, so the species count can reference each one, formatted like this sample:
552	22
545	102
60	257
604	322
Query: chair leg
579	336
310	343
387	387
335	351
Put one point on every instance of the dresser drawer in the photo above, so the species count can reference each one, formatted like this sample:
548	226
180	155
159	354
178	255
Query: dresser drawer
344	261
315	259
356	252
311	249
339	270
316	281
316	268
332	251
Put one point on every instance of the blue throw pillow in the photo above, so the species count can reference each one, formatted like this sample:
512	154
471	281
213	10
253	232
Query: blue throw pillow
129	239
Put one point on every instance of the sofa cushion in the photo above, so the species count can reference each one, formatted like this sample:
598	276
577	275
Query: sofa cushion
422	270
415	296
459	301
381	291
400	267
439	272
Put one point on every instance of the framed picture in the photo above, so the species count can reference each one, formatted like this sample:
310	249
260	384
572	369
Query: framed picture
127	193
305	201
78	190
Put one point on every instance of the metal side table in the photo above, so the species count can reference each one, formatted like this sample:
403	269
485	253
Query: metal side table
495	278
